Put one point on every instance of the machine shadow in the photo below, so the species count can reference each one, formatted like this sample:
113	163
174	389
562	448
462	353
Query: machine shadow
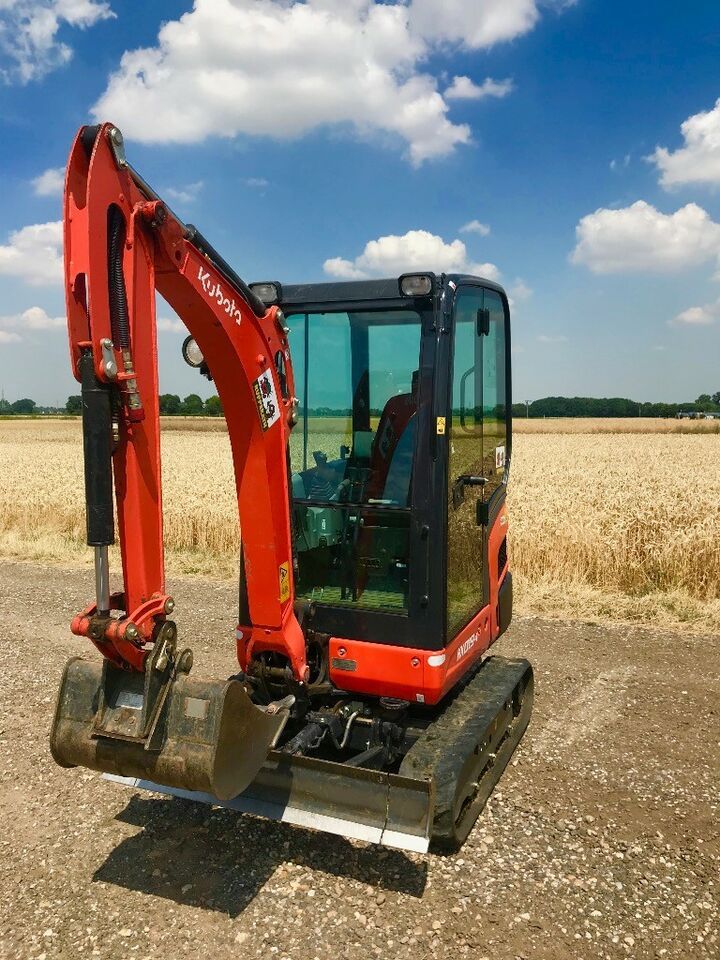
220	859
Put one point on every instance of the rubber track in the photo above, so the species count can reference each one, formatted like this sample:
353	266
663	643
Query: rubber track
465	741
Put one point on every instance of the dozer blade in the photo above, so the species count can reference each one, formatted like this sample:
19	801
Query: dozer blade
208	735
336	798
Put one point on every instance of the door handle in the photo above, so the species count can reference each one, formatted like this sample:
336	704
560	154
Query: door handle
465	480
463	381
470	481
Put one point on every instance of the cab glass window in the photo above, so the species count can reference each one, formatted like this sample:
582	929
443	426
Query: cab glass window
352	454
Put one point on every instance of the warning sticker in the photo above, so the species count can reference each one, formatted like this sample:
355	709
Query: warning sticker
500	457
266	400
441	426
284	571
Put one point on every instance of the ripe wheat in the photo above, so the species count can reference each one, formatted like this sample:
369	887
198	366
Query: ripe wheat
623	526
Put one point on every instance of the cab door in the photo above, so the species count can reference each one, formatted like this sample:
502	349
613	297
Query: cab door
478	446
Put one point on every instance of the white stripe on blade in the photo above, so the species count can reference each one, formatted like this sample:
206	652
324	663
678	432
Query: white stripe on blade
288	814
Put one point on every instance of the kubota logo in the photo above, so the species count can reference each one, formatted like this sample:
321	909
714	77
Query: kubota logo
215	292
467	645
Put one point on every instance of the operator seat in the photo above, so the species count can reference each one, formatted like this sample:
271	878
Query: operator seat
392	451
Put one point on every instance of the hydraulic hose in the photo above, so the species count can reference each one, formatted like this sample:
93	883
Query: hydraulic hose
204	246
119	316
117	295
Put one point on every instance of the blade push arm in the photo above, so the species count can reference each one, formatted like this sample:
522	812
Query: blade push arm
122	243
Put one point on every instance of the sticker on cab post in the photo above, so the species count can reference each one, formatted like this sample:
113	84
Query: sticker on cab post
284	571
266	400
500	457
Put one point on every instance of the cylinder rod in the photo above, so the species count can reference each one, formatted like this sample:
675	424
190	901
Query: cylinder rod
102	580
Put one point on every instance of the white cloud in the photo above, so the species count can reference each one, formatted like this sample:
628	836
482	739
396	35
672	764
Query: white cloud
463	88
417	250
545	338
281	68
343	269
186	194
34	318
34	254
641	238
170	325
520	290
618	164
699	316
50	183
29	44
698	161
474	226
473	23
258	183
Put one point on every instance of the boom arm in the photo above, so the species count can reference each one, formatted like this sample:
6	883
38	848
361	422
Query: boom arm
121	244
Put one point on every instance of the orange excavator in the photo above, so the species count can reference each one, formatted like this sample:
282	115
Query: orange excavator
370	428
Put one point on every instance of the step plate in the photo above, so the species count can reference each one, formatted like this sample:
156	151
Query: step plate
360	804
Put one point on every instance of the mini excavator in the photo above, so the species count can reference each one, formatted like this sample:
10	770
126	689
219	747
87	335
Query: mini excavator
370	429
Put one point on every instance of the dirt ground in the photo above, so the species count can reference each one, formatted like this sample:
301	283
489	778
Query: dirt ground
602	840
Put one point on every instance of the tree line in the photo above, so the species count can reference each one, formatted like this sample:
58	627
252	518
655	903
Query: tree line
171	405
613	407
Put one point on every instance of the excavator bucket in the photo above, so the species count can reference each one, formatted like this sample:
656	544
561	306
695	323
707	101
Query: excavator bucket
200	735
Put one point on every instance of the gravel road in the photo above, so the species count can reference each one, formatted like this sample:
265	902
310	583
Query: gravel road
602	840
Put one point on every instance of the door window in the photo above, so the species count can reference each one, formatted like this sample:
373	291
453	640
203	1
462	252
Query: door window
494	395
352	455
465	542
479	443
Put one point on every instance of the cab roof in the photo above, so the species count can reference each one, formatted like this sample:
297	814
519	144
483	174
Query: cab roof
349	291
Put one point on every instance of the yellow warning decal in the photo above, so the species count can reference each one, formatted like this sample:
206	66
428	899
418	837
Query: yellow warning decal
284	582
441	426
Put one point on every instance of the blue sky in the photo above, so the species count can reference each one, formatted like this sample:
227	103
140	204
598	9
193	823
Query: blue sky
351	137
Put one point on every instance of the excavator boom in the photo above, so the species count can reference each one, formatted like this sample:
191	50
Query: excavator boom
122	243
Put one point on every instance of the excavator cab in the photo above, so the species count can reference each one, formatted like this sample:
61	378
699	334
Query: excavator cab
370	431
401	454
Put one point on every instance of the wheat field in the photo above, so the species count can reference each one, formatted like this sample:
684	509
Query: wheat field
603	525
